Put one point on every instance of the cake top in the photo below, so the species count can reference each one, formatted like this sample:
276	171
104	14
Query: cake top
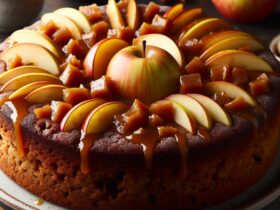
145	72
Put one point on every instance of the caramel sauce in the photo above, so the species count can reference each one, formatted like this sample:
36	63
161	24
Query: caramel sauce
182	145
19	109
203	133
86	142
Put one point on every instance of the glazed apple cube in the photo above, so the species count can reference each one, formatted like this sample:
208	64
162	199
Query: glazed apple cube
59	110
221	73
89	39
62	36
100	88
151	10
167	131
72	76
43	112
195	66
75	47
161	23
125	33
260	85
239	76
100	28
191	83
92	12
221	98
147	28
155	120
48	28
192	46
164	109
75	95
236	104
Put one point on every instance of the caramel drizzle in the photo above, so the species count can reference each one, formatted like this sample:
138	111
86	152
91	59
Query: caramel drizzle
19	109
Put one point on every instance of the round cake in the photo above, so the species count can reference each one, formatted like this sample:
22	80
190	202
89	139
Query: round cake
129	106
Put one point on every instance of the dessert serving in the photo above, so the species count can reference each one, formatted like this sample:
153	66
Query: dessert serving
129	106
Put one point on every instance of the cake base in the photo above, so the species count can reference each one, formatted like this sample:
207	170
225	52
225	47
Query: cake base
52	171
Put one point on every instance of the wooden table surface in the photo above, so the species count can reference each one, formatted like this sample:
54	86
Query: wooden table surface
265	30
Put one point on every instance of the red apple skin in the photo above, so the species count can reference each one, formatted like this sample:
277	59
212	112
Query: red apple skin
245	11
148	77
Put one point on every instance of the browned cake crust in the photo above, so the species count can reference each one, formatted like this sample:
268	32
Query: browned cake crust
235	158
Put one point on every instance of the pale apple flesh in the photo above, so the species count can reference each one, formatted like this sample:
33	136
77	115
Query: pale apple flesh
76	16
233	43
63	21
192	107
8	75
134	73
114	15
213	108
26	89
25	79
132	15
233	91
238	58
46	94
35	37
169	45
77	114
99	56
104	113
203	28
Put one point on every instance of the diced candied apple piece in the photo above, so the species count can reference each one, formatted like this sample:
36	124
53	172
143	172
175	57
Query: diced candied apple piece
125	33
43	112
62	36
147	28
49	28
100	88
14	62
75	95
191	83
195	66
167	131
221	98
89	39
239	76
151	10
164	109
155	120
71	59
133	119
59	110
221	73
260	85
236	104
72	76
75	47
161	23
192	46
92	13
100	28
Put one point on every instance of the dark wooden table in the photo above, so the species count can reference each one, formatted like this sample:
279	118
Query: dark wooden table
265	30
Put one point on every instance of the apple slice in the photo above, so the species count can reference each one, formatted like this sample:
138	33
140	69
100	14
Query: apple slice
215	38
185	18
76	116
62	21
35	37
213	108
32	54
8	75
46	94
238	58
114	15
174	12
26	89
25	79
203	28
163	42
192	107
132	15
75	15
99	56
104	113
233	91
233	43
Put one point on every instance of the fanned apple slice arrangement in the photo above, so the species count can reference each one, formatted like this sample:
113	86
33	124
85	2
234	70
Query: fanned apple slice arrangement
86	69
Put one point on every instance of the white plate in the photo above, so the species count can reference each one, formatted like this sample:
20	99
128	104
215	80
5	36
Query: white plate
256	197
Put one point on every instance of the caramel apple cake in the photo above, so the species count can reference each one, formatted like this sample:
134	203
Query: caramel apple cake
129	106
